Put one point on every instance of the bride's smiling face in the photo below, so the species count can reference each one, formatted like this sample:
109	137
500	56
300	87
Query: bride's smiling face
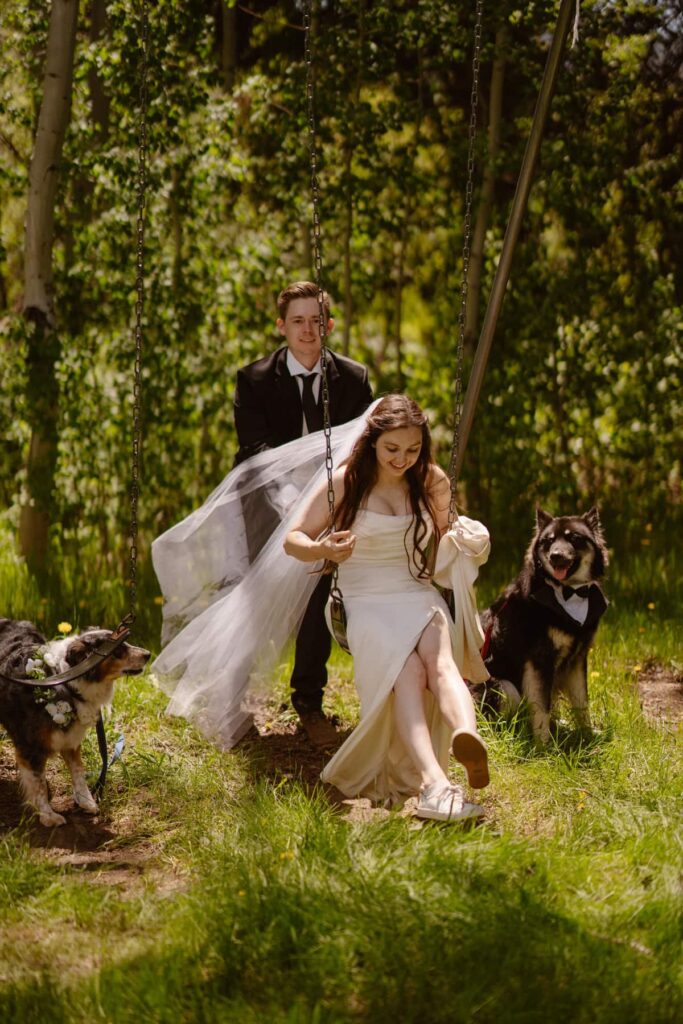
398	450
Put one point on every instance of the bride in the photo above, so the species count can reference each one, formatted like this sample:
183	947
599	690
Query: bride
391	504
227	620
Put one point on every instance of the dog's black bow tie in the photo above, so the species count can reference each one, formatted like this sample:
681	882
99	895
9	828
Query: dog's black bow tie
568	592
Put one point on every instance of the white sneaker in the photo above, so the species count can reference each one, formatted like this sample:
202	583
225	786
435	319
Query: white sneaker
443	802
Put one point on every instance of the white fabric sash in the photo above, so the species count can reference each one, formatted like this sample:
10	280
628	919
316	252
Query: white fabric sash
461	551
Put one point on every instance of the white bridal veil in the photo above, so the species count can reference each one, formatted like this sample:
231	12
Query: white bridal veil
228	614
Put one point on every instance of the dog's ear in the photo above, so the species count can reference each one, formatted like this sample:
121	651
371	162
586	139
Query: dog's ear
542	518
592	518
76	651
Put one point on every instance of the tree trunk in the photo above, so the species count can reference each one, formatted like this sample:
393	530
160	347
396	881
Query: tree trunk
349	149
487	192
228	44
306	247
99	101
346	245
42	392
176	228
398	303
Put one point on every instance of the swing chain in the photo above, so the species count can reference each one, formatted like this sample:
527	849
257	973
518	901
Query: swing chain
467	232
317	244
317	251
139	290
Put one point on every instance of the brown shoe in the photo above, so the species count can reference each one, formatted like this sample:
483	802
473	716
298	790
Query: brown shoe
319	729
470	750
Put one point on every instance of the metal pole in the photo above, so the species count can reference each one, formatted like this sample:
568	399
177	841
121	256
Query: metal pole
519	203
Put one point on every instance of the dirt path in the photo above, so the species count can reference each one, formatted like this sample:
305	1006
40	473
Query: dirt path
281	751
660	689
101	851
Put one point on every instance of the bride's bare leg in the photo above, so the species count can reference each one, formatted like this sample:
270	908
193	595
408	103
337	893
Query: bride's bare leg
443	678
411	723
455	703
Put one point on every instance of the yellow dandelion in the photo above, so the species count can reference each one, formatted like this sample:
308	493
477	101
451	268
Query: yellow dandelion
159	599
241	893
595	675
64	628
637	668
287	855
652	606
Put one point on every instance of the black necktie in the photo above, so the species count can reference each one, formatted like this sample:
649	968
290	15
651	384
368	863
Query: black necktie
568	592
312	411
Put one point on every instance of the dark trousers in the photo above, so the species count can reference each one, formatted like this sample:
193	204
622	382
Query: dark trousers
313	646
313	642
261	519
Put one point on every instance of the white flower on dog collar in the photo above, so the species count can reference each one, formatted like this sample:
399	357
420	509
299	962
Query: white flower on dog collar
35	668
60	712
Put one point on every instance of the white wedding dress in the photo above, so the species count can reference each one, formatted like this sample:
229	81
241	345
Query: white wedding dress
387	609
227	621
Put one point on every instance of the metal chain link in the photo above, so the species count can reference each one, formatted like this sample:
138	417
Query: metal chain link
317	251
139	301
467	232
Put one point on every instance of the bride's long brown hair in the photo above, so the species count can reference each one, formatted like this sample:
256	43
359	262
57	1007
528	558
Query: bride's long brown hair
360	475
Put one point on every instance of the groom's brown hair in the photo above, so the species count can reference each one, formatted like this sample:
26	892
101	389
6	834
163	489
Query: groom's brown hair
300	290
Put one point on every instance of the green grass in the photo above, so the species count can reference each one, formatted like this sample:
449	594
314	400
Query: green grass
223	889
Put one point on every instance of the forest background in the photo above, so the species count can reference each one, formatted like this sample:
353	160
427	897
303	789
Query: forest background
581	403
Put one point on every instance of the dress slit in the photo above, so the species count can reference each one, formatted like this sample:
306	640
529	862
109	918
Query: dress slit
388	610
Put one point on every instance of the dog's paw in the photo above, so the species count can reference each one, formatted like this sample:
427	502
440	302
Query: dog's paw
51	818
86	803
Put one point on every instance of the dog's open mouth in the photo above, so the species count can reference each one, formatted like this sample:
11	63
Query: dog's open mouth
561	572
131	671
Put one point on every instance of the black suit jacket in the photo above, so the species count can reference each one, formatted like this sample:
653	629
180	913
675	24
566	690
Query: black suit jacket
268	410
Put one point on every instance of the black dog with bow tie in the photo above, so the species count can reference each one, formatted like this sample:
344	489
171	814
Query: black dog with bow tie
539	631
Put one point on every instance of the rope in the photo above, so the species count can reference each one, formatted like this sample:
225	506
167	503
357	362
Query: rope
575	30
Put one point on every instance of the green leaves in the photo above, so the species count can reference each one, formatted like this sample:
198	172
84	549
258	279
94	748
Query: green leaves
580	395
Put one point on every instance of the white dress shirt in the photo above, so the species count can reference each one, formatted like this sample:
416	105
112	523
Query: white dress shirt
575	606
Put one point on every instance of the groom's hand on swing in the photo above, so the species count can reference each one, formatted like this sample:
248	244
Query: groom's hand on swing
338	546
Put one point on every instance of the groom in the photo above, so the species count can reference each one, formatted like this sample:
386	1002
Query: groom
277	399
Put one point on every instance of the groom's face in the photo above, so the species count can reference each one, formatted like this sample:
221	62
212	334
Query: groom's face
301	329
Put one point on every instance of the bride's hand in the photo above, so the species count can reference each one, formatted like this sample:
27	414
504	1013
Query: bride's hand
338	546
